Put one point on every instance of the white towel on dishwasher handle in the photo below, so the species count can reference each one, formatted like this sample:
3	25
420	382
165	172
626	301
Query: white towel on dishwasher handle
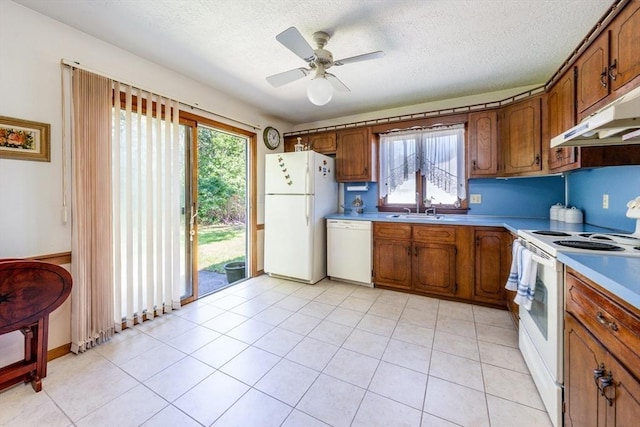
522	276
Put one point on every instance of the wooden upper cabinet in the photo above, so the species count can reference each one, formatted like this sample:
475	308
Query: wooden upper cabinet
561	116
324	142
483	144
291	141
592	74
521	138
610	67
356	156
624	63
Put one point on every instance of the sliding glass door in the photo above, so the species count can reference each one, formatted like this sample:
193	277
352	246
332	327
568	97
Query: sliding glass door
216	222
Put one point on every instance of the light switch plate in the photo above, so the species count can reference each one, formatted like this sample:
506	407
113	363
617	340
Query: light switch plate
605	201
475	198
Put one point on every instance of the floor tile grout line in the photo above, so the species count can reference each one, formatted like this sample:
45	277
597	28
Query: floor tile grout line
396	321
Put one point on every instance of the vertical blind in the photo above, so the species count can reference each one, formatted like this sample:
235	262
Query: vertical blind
146	204
126	206
91	244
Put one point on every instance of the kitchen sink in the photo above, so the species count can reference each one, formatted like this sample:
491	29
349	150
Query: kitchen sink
423	217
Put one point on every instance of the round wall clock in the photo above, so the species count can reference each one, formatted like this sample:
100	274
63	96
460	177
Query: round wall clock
271	137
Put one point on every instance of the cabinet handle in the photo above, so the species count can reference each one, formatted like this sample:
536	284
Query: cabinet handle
409	251
598	373
603	321
605	382
603	379
537	159
415	250
612	67
474	165
477	241
603	77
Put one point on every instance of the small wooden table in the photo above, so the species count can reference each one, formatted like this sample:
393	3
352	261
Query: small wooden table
29	292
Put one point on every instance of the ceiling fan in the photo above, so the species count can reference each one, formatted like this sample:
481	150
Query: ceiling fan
320	89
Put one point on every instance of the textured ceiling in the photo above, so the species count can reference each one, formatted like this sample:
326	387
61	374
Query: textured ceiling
435	49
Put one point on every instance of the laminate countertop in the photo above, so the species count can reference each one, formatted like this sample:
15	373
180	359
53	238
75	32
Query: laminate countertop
620	275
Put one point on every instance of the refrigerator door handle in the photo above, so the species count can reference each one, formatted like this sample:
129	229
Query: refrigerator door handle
306	180
307	208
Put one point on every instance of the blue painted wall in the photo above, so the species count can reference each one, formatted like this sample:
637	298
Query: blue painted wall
370	198
530	197
621	183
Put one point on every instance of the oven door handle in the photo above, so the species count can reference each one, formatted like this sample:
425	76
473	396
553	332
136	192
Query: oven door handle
544	261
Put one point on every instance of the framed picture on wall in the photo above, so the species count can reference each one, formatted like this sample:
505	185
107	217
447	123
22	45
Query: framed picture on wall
24	140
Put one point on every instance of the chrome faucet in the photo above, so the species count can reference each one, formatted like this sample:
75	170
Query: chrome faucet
432	209
408	210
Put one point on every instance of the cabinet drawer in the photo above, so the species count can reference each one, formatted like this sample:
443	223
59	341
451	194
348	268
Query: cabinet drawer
434	233
389	230
615	326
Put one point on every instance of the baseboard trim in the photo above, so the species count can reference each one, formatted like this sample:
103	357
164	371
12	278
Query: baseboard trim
60	258
54	353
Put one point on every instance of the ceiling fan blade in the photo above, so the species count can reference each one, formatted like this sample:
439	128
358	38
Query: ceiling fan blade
280	79
336	83
358	58
293	40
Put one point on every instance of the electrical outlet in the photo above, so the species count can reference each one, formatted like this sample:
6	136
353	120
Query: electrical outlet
475	198
605	201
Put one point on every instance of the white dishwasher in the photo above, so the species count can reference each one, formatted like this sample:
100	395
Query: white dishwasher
349	251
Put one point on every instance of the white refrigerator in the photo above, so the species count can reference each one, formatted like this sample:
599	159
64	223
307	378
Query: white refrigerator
300	190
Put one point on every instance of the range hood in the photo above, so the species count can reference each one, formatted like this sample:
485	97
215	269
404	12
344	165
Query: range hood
616	124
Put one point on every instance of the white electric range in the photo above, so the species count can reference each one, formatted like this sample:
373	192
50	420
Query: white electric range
586	242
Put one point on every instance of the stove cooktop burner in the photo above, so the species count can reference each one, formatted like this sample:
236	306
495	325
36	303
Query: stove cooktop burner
552	233
595	246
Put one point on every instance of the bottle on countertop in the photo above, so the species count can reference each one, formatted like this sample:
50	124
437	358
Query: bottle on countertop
357	206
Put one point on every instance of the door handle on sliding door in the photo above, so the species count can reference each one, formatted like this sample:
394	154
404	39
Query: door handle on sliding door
192	221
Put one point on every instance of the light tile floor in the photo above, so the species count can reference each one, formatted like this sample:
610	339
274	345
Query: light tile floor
270	352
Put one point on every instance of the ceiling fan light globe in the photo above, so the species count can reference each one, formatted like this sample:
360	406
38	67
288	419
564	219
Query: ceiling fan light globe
319	91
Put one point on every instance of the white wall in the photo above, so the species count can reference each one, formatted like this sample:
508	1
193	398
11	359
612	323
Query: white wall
32	46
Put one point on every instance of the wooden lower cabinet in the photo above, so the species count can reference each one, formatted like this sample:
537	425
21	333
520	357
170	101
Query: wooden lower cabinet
392	262
442	261
434	268
583	354
492	264
598	390
601	360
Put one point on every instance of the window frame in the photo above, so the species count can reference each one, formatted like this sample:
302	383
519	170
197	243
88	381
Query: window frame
383	206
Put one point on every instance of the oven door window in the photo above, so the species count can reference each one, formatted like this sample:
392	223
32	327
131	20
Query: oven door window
540	307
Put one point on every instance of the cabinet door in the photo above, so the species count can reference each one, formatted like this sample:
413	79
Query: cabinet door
561	116
353	156
392	263
521	137
483	144
492	265
592	80
324	143
584	407
434	268
624	65
625	408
